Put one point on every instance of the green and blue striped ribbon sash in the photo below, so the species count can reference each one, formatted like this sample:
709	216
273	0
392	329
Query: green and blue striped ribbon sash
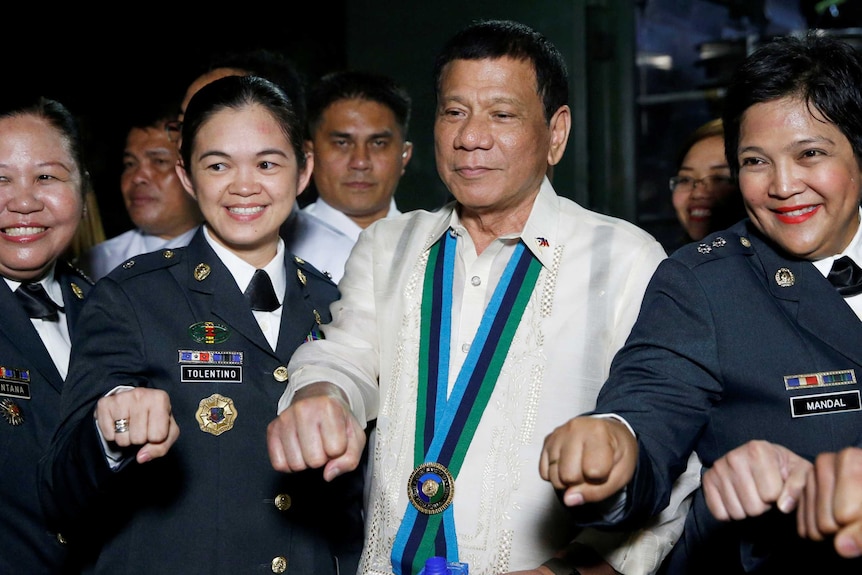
445	427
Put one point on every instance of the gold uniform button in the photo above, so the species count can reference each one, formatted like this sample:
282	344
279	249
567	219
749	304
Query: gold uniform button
279	565
280	373
60	539
283	501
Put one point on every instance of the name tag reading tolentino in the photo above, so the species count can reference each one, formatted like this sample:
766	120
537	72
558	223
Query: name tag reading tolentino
210	366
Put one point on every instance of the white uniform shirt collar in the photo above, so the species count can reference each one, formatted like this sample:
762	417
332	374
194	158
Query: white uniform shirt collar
342	221
48	282
54	334
242	271
540	233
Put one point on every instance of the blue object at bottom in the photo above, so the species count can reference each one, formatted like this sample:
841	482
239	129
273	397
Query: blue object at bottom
439	566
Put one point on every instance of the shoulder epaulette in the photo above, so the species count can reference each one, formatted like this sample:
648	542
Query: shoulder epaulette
713	247
144	263
76	271
305	269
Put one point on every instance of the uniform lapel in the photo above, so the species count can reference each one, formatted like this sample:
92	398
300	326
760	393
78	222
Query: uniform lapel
812	301
214	293
296	308
75	291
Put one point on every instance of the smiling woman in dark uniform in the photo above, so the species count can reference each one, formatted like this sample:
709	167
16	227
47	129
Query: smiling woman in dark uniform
42	179
195	340
748	347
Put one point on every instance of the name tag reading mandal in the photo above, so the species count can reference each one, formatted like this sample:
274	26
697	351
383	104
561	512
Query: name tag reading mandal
826	403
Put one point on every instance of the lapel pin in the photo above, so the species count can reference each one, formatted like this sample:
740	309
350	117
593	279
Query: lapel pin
784	277
202	271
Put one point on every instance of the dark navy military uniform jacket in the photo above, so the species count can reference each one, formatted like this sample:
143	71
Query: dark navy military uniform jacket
736	342
176	320
30	388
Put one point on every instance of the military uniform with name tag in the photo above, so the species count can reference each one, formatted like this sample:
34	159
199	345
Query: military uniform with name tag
176	320
30	388
736	342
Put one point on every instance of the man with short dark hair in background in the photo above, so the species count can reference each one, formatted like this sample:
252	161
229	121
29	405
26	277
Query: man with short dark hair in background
357	124
164	215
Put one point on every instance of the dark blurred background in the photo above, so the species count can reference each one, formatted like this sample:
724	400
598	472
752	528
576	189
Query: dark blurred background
643	73
105	67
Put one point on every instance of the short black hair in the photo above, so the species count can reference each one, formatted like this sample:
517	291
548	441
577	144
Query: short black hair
355	84
238	92
152	112
492	39
822	71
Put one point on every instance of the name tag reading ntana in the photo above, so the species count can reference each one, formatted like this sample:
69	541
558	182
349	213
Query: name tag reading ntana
14	382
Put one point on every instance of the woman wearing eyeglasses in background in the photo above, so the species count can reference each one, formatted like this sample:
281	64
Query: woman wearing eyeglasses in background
705	196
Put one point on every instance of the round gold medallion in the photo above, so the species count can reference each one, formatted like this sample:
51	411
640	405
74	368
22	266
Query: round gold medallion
431	488
216	414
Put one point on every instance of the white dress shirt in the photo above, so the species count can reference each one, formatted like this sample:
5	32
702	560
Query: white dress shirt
330	238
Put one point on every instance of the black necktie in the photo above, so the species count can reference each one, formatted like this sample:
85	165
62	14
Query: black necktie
260	294
35	301
846	276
